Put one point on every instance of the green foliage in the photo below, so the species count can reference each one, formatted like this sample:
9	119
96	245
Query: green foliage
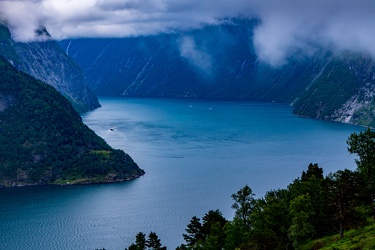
298	217
194	232
302	213
336	85
363	144
244	205
152	243
43	139
271	221
236	234
209	235
359	238
312	183
344	192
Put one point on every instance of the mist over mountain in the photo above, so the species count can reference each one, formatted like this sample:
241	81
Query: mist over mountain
220	61
46	61
287	27
263	50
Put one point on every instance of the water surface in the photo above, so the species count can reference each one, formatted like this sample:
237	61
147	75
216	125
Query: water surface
195	153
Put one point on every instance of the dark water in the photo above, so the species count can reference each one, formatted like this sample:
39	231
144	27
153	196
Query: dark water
195	154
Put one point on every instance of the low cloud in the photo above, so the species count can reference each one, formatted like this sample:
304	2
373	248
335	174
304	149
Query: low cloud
196	57
292	26
286	26
106	18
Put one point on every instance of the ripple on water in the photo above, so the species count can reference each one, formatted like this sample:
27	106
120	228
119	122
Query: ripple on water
194	159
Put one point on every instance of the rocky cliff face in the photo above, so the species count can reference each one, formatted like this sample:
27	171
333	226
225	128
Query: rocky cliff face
360	107
344	91
220	62
48	63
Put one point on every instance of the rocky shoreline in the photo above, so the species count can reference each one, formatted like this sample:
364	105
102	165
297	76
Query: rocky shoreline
108	179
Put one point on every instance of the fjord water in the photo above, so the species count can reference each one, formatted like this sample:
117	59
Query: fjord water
195	153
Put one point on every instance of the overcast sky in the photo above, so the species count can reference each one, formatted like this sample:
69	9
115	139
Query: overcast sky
288	26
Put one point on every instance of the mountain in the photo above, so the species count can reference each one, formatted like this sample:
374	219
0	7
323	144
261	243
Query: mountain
219	61
43	139
344	91
46	61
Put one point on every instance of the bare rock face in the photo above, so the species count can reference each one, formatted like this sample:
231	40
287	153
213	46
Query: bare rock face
344	92
47	62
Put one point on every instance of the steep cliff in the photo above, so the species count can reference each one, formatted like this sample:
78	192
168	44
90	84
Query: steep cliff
344	91
220	62
47	62
43	139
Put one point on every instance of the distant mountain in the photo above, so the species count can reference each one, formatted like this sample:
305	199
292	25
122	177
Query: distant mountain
43	139
343	91
220	62
47	62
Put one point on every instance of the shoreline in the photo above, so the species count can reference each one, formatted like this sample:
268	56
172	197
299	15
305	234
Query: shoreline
82	181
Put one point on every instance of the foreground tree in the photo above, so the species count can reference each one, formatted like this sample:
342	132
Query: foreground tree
213	229
208	235
343	192
363	144
140	242
313	184
244	204
271	221
301	211
152	243
194	232
210	219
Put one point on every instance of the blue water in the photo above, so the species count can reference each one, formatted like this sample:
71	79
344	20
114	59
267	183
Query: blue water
195	153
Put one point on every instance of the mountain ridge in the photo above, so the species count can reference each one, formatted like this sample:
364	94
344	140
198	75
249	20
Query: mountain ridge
46	61
220	61
44	141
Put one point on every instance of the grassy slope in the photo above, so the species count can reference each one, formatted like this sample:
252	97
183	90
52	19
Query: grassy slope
363	238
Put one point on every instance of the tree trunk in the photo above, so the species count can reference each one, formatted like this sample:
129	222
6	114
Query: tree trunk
341	230
372	206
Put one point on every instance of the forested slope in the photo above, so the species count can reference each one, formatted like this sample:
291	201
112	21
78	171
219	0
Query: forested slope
43	139
46	61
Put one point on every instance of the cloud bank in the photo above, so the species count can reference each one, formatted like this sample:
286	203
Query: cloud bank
287	26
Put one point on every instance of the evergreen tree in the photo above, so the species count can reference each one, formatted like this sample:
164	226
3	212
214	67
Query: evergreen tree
244	205
140	241
194	232
153	242
211	218
344	193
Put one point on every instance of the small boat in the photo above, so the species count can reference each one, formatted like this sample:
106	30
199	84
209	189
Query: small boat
112	129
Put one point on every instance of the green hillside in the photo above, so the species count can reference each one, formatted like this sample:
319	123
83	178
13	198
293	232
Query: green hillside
47	62
43	139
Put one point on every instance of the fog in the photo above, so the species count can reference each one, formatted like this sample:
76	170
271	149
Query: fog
286	26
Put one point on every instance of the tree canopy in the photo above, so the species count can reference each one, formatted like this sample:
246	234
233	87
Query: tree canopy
43	139
312	206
